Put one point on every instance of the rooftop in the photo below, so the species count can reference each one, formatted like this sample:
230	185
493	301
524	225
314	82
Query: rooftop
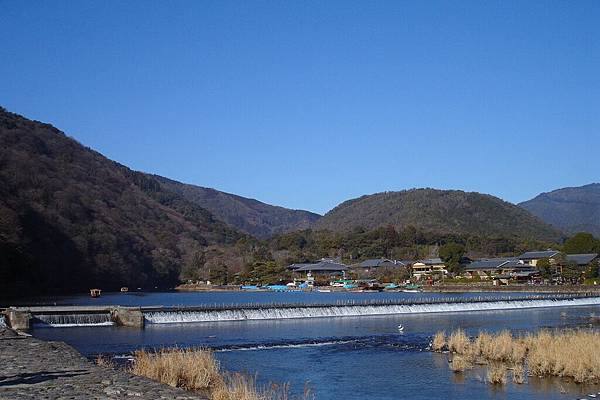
486	264
536	255
431	261
322	266
581	259
377	262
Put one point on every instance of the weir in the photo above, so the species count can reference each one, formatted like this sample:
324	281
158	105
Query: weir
63	316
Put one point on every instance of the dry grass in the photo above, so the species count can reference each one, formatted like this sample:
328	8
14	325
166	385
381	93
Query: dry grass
570	354
518	373
567	354
439	341
496	373
185	368
459	342
459	364
198	370
104	361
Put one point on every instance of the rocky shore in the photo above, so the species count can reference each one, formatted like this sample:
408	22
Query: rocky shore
35	369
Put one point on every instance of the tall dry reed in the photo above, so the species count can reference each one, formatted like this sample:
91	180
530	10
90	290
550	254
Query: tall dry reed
439	341
459	342
496	373
190	369
573	354
198	370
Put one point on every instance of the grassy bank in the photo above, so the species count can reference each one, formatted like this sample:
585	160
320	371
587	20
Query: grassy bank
572	354
197	370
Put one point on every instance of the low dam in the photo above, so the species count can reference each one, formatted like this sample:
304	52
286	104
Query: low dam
23	318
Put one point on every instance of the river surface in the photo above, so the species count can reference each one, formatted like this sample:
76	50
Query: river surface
338	358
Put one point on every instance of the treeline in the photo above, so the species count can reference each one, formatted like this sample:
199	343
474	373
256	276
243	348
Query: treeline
265	261
409	243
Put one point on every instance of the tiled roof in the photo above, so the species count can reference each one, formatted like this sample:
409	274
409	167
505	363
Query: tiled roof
581	259
432	261
294	267
487	264
535	255
323	266
377	262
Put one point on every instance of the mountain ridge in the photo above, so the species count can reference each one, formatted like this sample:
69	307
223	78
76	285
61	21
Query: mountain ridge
71	219
445	211
248	215
572	209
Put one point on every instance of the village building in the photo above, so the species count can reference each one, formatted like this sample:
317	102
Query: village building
324	266
373	264
487	267
429	266
581	260
532	257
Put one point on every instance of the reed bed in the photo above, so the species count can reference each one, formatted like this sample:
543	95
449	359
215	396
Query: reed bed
572	354
198	370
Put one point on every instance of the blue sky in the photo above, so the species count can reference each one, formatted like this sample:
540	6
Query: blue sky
306	104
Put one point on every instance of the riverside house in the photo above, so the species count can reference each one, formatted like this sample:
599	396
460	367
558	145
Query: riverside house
373	264
582	260
429	266
532	257
323	267
487	267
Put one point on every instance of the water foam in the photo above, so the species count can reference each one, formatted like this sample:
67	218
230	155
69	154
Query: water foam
72	320
163	317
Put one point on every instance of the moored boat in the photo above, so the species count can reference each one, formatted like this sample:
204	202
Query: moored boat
412	288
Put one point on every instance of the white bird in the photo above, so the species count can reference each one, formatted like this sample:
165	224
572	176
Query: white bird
400	328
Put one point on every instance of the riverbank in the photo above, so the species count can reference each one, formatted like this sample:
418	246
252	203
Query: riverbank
35	369
438	288
477	288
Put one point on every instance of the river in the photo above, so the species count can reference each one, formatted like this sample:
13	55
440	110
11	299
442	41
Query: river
364	357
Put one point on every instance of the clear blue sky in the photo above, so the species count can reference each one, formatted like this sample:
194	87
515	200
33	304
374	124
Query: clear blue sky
308	103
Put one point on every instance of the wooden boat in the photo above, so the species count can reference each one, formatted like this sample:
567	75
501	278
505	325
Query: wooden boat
95	292
124	289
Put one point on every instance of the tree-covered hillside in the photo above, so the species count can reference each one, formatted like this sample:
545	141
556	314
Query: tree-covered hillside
71	219
441	211
248	215
572	209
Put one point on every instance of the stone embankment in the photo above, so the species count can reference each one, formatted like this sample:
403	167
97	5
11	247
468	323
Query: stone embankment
35	369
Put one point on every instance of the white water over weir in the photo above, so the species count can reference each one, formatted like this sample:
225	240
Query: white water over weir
69	320
261	311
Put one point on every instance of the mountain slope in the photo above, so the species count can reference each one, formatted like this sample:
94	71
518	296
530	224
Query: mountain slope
443	211
248	215
572	209
71	219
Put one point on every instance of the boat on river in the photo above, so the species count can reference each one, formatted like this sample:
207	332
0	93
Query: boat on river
412	288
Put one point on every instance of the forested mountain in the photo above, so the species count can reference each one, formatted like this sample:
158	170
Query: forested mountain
248	215
572	209
71	219
442	211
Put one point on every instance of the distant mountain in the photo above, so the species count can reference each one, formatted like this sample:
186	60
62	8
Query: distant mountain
443	211
248	215
71	219
572	209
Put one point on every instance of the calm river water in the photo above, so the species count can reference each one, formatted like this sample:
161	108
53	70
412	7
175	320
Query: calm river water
338	358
